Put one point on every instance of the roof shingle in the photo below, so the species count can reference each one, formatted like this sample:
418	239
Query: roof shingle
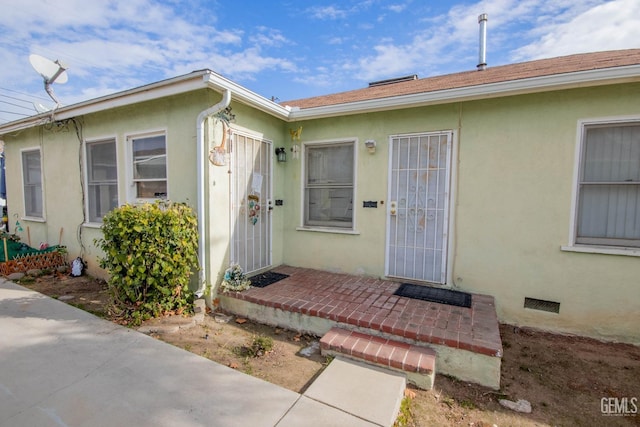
498	74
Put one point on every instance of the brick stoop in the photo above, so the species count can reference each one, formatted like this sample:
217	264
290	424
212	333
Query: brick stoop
466	340
416	362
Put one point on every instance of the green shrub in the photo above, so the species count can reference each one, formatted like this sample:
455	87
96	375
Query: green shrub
259	346
150	252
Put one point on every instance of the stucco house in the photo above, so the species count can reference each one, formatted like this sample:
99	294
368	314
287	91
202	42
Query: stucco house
519	181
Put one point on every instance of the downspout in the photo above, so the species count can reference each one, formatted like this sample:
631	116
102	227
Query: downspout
224	103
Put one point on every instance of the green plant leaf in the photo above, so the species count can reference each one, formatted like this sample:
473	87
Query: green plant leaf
150	252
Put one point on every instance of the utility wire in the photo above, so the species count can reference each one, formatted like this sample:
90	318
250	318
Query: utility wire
17	114
16	99
25	94
17	105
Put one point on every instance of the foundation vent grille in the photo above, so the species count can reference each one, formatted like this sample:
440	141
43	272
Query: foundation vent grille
542	305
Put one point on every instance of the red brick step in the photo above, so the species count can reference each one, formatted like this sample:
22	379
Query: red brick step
416	362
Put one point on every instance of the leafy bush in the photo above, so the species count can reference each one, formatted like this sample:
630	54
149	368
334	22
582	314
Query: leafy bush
150	252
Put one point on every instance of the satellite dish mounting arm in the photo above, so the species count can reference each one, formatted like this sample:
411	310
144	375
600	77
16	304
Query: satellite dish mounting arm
48	82
51	71
47	87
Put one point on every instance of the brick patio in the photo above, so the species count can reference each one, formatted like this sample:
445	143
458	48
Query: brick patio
368	305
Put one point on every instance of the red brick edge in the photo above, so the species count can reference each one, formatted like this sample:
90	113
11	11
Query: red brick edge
381	351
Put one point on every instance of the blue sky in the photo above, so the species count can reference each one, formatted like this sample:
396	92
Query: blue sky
289	49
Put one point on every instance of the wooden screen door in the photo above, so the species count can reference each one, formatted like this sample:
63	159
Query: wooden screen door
251	164
418	207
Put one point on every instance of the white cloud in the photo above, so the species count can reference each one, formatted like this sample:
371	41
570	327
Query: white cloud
115	45
548	28
397	8
239	66
603	27
269	37
327	12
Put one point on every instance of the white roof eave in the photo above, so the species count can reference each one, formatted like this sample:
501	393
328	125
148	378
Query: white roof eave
193	81
490	90
245	96
177	85
208	79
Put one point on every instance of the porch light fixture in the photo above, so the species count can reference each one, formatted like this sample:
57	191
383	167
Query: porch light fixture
371	145
282	154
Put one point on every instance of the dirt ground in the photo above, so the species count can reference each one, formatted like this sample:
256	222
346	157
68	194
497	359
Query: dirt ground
569	381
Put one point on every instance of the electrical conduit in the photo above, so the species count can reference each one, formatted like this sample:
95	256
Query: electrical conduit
224	103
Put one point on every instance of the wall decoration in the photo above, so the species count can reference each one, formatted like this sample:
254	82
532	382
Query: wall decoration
295	133
254	209
218	154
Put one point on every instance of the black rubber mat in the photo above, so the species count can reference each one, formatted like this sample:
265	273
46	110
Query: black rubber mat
441	296
266	279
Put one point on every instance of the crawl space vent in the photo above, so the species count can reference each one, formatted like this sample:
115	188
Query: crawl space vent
542	305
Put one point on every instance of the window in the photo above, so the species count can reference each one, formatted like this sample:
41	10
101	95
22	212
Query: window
608	208
102	178
328	191
149	167
32	182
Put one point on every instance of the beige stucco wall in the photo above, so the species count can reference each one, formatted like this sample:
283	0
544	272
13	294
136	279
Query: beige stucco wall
513	172
61	150
257	124
364	251
176	116
512	195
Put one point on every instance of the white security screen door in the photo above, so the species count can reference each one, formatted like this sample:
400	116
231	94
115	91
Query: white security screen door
250	202
418	206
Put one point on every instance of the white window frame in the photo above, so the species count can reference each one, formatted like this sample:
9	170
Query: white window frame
132	194
593	247
328	227
87	174
30	215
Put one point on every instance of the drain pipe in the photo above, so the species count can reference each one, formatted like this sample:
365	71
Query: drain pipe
224	103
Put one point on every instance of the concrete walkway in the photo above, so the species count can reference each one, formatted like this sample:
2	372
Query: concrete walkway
63	367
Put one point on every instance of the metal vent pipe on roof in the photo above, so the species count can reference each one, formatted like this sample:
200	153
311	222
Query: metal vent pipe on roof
482	53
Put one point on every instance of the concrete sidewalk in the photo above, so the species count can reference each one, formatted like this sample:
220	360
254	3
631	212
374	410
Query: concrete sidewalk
61	366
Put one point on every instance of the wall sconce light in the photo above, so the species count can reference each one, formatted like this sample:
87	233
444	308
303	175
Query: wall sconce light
282	154
371	145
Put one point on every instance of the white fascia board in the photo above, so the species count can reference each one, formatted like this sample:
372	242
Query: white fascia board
484	91
165	88
206	78
140	95
149	92
245	96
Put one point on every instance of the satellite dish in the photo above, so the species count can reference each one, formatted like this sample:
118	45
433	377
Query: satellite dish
51	71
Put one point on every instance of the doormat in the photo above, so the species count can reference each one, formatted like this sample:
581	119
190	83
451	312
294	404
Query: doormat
441	296
266	279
